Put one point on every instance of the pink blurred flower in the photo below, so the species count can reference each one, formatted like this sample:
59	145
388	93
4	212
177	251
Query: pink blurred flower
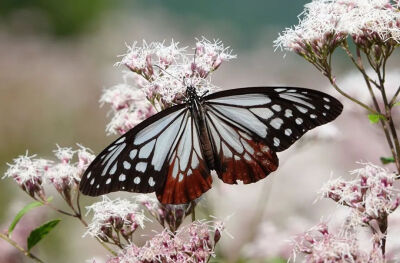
192	243
370	193
167	215
319	245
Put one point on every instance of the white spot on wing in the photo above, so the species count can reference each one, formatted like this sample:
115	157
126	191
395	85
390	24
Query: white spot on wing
288	132
92	182
122	177
327	107
108	181
326	99
280	89
88	175
301	109
141	167
151	181
288	113
180	178
277	142
136	180
276	123
127	165
276	107
299	121
313	116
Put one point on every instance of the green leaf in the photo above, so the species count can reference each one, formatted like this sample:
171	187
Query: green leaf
40	232
386	160
374	118
20	214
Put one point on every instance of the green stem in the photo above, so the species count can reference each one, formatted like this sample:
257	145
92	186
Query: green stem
21	249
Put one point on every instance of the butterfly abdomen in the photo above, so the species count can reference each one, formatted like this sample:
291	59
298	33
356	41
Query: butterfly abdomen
197	111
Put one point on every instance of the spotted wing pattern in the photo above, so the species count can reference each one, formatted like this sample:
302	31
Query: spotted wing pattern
138	160
248	126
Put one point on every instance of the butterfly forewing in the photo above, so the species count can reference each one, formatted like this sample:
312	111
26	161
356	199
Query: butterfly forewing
136	161
276	116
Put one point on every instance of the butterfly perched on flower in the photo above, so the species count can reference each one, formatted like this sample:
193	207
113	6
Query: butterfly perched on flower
235	132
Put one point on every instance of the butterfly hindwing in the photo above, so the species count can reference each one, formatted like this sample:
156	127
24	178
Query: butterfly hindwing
238	157
138	160
188	175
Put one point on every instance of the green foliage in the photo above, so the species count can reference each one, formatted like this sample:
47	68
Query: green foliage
375	118
387	160
40	232
65	17
20	214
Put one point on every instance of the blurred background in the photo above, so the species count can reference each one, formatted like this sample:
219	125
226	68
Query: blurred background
56	57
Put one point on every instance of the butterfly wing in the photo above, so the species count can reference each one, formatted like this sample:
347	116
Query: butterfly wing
137	161
188	175
160	154
249	125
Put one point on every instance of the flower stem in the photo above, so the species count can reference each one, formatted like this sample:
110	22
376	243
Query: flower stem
24	251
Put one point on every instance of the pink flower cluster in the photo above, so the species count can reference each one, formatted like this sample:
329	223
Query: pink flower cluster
321	245
157	79
192	243
371	194
30	173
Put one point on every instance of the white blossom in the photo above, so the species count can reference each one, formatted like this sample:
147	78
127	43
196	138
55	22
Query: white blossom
108	212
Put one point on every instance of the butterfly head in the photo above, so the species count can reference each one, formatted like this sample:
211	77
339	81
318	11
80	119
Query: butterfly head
191	93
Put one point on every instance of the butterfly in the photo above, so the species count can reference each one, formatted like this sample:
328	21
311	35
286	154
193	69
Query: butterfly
235	132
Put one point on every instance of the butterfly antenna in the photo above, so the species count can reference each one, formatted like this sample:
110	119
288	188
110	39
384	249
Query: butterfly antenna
205	93
166	72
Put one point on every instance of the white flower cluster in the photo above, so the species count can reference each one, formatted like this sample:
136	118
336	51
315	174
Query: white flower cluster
158	78
117	215
30	173
328	22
